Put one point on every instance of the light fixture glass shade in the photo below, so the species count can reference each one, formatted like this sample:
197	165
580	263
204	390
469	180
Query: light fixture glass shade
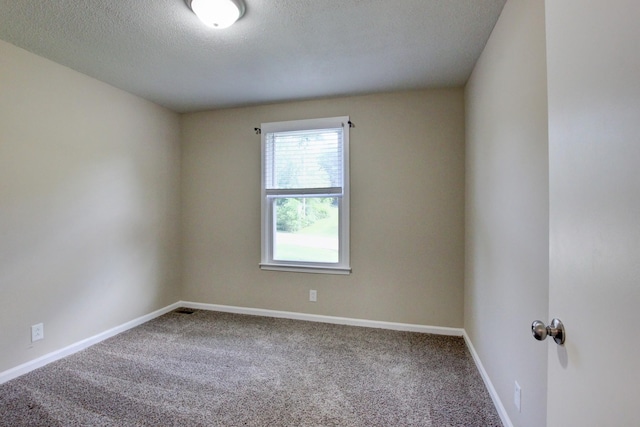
217	13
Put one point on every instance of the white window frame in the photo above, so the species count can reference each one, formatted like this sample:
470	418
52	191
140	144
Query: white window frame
267	203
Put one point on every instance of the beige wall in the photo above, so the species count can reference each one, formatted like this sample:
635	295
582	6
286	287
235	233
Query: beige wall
407	198
507	226
89	207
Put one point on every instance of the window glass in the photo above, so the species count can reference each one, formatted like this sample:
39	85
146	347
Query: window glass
307	229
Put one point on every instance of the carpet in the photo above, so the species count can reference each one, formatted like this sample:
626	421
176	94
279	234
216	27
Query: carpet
219	369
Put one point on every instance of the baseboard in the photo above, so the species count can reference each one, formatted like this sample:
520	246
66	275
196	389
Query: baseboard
81	345
497	402
12	373
371	324
407	327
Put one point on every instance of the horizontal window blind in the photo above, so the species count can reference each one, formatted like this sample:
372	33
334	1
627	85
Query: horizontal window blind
309	160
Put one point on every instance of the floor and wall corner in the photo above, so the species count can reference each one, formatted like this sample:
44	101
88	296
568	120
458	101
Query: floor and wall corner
114	210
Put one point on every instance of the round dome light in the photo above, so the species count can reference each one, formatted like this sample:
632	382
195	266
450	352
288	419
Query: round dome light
217	13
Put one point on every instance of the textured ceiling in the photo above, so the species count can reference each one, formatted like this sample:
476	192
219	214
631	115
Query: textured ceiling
280	50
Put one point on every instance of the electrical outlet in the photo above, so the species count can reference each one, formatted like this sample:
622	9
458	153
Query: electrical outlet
516	395
37	332
313	295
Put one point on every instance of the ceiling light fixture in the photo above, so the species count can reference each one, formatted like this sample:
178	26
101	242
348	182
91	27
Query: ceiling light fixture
217	13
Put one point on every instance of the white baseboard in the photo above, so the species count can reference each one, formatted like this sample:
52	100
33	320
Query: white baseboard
407	327
81	345
12	373
371	324
502	412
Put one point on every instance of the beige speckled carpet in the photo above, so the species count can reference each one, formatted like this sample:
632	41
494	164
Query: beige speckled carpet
218	369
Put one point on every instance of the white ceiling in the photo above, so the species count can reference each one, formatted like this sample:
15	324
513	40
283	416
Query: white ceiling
279	50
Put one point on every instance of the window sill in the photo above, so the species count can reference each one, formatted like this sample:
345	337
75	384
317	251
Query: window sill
305	269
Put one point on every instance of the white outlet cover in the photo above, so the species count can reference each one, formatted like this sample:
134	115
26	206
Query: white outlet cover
313	295
517	392
37	332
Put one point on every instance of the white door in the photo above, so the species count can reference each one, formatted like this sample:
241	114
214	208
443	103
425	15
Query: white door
593	57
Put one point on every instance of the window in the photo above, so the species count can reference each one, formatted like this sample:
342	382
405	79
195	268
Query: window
305	196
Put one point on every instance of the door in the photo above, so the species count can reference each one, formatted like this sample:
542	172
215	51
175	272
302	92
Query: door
593	60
